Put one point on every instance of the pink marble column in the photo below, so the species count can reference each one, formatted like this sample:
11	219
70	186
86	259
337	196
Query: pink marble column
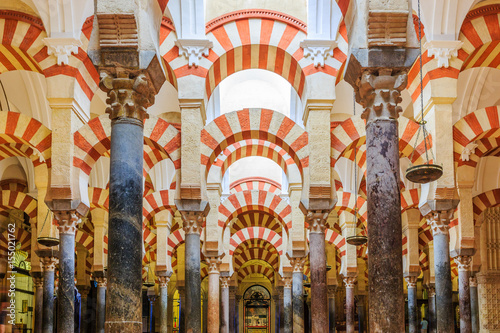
213	294
350	283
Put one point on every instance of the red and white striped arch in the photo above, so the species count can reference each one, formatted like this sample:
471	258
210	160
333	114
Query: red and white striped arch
255	244
336	239
256	219
410	199
485	200
260	184
256	254
245	201
21	135
156	202
255	233
261	124
347	202
478	125
19	200
99	198
352	132
175	239
423	260
265	270
22	48
21	236
85	239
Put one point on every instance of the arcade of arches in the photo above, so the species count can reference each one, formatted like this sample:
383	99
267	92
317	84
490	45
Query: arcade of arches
198	166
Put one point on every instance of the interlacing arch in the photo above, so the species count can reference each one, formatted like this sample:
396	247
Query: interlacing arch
347	202
19	200
256	200
352	132
256	254
337	240
99	198
261	124
256	218
255	233
256	267
485	200
479	126
156	202
21	135
253	183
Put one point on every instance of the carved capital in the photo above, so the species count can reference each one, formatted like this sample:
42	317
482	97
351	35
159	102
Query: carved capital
287	282
38	281
439	221
224	281
468	150
332	290
350	281
298	264
213	265
473	282
163	278
194	49
84	290
317	221
411	281
67	221
463	262
62	48
130	93
192	222
318	50
379	92
102	282
49	263
431	291
443	50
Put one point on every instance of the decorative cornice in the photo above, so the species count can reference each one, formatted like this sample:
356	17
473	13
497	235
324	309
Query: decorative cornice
118	30
166	22
482	11
62	48
468	150
194	49
443	50
255	13
318	50
20	16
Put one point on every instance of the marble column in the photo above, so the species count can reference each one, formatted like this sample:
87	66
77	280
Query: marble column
463	264
67	223
164	302
474	305
84	292
192	228
432	309
276	299
350	283
378	91
129	94
411	283
287	304
297	294
38	283
182	307
213	315
332	291
282	311
317	258
151	299
361	313
439	222
101	304
237	299
204	310
224	304
232	309
49	266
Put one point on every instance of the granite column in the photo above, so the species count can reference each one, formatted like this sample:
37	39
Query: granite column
129	94
350	283
411	283
317	259
38	282
224	304
182	308
287	304
378	91
297	294
164	302
67	222
276	299
463	264
439	222
232	309
101	304
213	315
237	299
332	291
474	305
49	266
431	298
84	292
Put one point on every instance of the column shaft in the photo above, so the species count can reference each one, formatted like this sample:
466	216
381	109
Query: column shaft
164	303
276	299
38	302
319	294
84	319
432	311
444	306
287	306
298	302
232	305
237	320
193	287
182	316
213	315
463	263
474	306
48	294
101	306
331	309
224	327
349	299
412	309
361	313
123	301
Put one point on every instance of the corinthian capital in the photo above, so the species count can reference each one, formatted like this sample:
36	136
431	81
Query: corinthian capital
49	263
298	264
287	282
192	222
130	93
163	281
411	281
439	221
67	221
224	281
213	264
379	92
350	281
463	262
317	221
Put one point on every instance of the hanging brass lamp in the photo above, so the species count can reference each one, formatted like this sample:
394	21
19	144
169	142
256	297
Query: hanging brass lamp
50	240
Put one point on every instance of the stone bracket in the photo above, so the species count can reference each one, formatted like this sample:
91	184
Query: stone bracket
443	50
62	48
319	50
194	49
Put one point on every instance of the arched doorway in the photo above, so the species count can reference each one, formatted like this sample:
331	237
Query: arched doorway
257	310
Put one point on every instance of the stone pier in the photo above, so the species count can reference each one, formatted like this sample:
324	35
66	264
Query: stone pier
297	294
332	291
350	283
411	283
101	303
38	283
463	264
213	294
164	280
224	303
439	222
49	266
287	304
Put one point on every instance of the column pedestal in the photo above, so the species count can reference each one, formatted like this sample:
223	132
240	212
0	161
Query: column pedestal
38	282
350	283
439	222
463	263
164	302
224	327
474	305
287	304
213	294
101	304
49	266
411	282
332	291
297	294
